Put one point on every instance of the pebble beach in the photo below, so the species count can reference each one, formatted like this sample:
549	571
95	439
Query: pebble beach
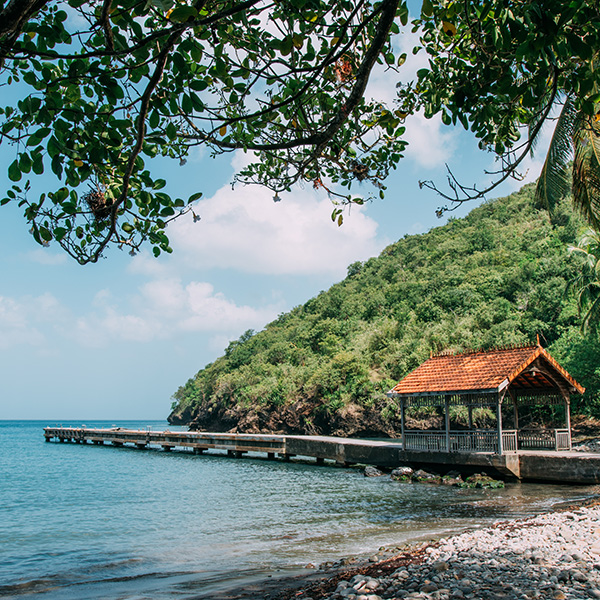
550	556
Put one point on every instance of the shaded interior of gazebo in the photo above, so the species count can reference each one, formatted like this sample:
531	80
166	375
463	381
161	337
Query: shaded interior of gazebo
508	381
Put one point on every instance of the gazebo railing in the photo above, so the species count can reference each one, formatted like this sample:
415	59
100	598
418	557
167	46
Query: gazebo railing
545	439
460	441
510	442
486	440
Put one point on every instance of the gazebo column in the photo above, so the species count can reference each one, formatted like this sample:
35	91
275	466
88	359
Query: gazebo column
447	420
499	421
403	421
568	417
513	397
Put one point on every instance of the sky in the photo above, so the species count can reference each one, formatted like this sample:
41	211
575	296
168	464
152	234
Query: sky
114	340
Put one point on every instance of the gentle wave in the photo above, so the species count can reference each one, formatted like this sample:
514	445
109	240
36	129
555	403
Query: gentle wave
119	523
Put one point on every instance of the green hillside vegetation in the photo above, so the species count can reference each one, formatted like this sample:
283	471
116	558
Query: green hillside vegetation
496	277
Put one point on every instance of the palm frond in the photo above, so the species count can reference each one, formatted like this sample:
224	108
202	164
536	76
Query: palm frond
554	182
591	319
587	283
586	170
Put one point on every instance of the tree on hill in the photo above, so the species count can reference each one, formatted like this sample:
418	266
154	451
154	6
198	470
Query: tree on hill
106	85
497	277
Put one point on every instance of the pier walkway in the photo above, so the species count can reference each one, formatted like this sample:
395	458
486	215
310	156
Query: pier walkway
549	466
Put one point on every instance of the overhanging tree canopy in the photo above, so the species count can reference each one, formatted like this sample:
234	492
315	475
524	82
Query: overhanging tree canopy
501	68
105	85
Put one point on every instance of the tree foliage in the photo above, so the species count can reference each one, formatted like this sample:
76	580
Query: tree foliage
497	277
104	86
501	69
587	283
107	85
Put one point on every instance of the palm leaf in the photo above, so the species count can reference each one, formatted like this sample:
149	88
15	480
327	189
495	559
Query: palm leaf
554	182
587	282
586	170
591	319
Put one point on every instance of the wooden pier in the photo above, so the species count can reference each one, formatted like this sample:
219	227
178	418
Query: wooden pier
550	466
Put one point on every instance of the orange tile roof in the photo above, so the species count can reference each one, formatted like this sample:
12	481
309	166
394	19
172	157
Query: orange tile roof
482	370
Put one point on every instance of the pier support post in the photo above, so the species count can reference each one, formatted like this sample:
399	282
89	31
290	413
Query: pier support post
320	460
140	446
167	448
270	455
199	450
239	453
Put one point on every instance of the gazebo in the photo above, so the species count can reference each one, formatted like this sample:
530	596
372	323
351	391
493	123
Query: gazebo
501	378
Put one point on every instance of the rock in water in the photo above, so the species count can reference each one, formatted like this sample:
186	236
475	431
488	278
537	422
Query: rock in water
481	480
372	472
421	476
401	474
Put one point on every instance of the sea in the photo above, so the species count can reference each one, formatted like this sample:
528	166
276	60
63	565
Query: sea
101	522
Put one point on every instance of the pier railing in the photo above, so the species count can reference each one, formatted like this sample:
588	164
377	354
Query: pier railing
474	441
197	441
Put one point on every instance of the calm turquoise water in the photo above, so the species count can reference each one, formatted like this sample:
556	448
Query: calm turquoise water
116	523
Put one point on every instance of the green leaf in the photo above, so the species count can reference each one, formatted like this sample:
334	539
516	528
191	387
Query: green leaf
38	164
182	14
154	119
59	233
285	47
194	197
25	163
14	172
45	234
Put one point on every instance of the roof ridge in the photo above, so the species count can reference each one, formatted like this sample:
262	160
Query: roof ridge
506	347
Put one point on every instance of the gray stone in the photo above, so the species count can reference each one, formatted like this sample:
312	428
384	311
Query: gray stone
401	474
372	471
578	576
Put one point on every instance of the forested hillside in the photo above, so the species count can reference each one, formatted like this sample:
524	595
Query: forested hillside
494	278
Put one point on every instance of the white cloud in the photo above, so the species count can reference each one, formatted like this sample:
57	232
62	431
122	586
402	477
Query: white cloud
45	257
146	264
245	230
430	143
20	320
166	308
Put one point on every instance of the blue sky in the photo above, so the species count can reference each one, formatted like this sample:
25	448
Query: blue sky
114	340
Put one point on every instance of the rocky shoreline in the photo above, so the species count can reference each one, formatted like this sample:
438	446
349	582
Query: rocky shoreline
551	556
